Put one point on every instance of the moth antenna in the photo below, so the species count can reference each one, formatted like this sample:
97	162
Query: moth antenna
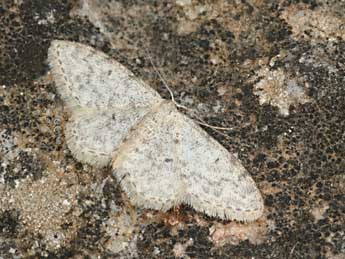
122	178
172	97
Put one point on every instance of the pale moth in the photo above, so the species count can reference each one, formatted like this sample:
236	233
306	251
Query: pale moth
161	157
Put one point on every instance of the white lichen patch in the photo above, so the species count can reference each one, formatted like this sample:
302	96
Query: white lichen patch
179	249
318	23
44	206
233	233
120	235
160	157
318	58
183	2
8	152
7	146
102	15
279	89
319	211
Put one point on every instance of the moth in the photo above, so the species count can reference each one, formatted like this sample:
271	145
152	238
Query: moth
161	157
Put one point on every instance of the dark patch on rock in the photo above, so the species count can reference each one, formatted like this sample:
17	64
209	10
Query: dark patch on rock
24	166
9	222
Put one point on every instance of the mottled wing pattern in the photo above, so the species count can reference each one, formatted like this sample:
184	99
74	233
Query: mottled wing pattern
168	160
161	157
89	78
105	99
93	135
146	163
217	183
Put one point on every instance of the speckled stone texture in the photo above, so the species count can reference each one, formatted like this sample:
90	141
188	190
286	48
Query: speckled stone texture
212	54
